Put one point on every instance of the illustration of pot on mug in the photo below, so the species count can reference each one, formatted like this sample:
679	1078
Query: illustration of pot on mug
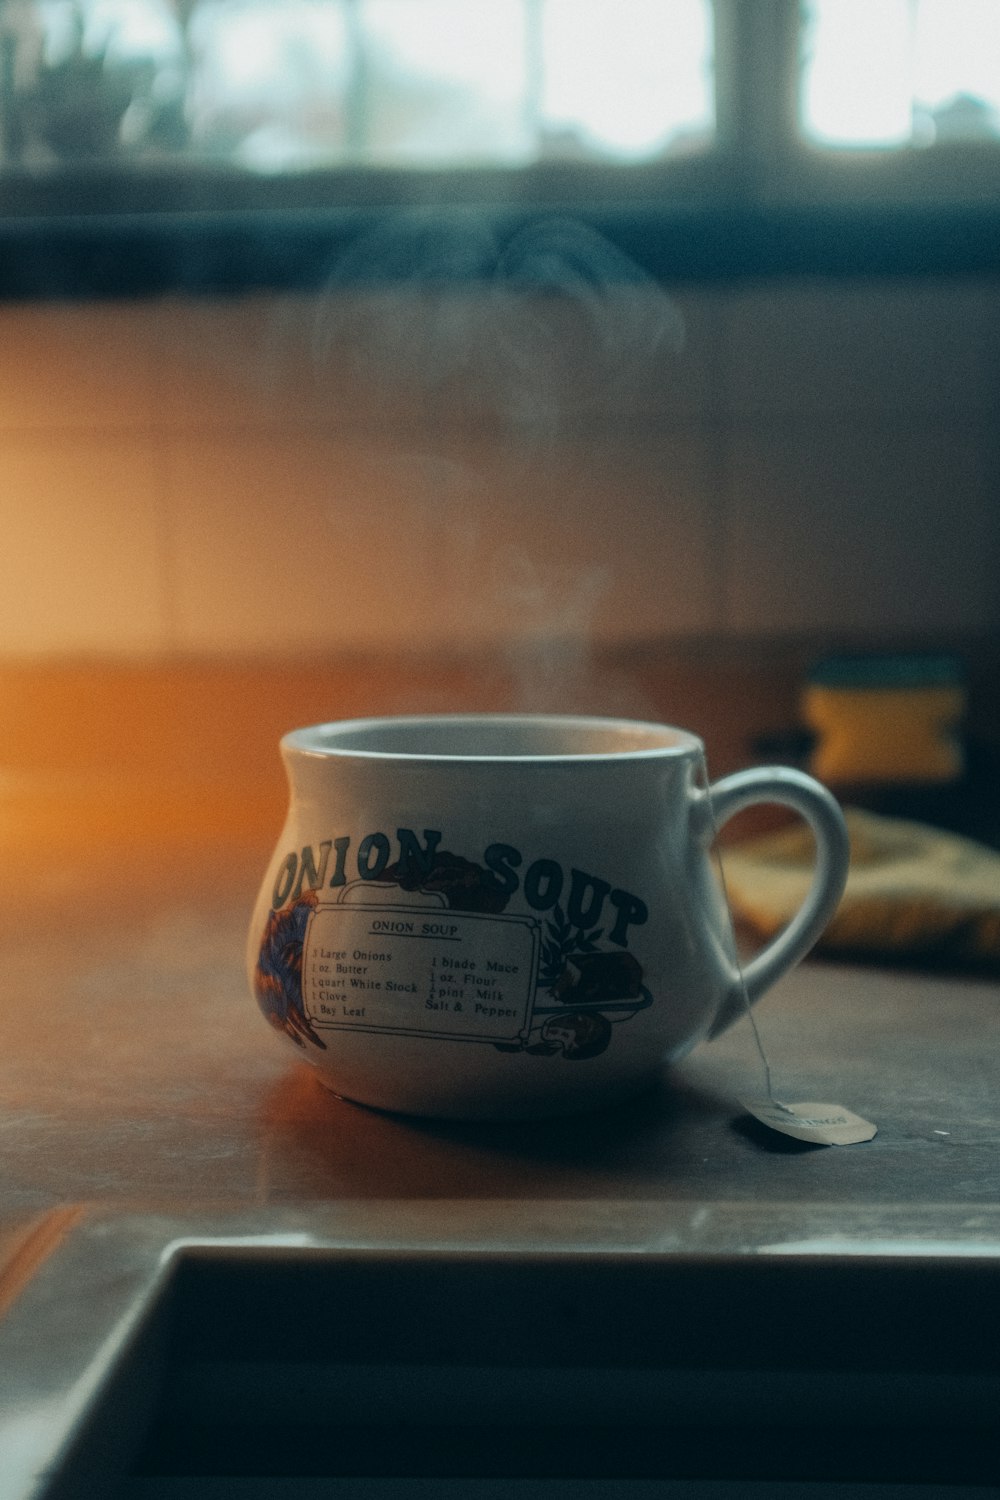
592	990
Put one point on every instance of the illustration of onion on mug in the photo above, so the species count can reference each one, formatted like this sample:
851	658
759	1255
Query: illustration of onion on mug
557	912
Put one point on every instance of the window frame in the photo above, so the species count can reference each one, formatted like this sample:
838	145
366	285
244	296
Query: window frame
761	202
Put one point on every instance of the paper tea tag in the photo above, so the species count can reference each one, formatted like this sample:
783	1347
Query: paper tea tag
822	1124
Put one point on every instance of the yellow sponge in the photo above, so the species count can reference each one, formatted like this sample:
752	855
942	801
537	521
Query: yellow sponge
885	720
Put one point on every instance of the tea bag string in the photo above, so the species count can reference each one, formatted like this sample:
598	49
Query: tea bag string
735	955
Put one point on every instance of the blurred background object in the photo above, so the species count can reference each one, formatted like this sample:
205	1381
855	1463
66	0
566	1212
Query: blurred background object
278	85
883	720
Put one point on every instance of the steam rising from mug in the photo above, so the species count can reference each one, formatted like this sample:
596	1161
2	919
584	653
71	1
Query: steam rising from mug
502	348
527	332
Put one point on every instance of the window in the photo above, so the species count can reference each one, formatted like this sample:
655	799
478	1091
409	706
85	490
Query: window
293	85
928	72
687	125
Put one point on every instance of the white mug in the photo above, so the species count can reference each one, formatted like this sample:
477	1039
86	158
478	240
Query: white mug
508	917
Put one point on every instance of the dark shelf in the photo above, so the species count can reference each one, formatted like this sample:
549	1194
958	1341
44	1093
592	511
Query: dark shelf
231	250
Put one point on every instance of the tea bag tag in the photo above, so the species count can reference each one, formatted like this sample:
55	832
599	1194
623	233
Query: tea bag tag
820	1124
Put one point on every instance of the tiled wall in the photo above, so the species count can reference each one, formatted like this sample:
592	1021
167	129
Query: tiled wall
284	474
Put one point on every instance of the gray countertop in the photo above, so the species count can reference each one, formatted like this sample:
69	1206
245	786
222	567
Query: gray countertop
145	1106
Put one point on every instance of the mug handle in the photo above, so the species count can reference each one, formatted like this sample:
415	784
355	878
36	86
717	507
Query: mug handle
822	812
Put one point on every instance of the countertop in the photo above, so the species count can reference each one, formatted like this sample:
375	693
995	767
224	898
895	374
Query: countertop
136	1069
145	1102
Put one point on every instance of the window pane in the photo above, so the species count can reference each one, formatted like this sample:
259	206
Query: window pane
900	72
446	81
268	83
286	85
82	80
625	79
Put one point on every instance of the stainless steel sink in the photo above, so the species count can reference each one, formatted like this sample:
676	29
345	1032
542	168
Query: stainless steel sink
284	1365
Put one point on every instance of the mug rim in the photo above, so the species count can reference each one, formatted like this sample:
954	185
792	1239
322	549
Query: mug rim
666	740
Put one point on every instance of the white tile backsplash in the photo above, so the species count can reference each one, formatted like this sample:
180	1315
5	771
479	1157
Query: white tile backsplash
276	363
883	528
320	541
88	367
552	366
889	347
296	543
81	565
293	473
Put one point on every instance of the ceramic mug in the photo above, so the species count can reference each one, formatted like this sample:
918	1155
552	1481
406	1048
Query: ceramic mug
502	917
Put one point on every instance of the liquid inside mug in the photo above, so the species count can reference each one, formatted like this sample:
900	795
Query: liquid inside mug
507	917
